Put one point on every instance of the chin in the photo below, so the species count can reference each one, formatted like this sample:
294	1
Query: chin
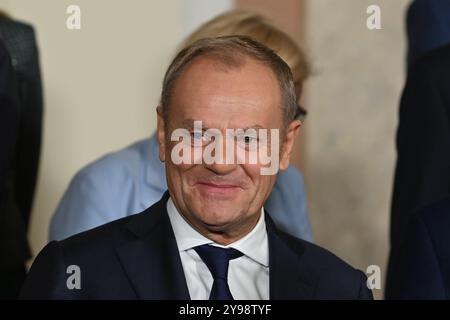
217	217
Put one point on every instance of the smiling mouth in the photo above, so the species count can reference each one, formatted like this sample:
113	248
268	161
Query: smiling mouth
217	188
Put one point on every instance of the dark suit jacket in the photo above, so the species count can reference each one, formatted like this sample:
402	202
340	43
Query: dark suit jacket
13	243
9	113
422	175
137	258
19	39
421	268
427	26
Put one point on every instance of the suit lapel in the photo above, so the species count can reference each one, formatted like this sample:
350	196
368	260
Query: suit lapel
152	262
151	259
289	277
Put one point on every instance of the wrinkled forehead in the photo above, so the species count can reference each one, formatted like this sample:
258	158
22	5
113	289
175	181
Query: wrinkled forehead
210	92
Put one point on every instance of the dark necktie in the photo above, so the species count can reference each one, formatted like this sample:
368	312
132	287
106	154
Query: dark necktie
217	260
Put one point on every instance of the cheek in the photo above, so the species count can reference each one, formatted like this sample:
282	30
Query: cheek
175	167
253	172
266	183
181	176
177	170
262	183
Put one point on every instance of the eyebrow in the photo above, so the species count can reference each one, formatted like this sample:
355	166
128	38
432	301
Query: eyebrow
189	124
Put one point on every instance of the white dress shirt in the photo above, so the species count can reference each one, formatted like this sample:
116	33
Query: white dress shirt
248	275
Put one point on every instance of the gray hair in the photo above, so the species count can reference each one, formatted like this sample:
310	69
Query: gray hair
229	50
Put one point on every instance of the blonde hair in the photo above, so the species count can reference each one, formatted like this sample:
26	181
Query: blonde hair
4	14
255	26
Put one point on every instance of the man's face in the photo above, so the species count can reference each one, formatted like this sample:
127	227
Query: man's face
223	199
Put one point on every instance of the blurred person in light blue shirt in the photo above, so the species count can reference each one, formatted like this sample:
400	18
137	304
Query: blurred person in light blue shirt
132	179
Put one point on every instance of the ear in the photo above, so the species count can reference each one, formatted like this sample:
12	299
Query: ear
292	132
161	134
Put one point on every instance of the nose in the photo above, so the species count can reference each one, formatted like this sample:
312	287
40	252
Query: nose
221	168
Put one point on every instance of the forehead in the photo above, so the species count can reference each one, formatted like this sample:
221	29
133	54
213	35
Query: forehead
209	90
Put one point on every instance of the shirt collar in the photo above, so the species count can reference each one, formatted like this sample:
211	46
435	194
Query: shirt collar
253	245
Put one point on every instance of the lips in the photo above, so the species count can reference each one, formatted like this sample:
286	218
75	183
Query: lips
217	187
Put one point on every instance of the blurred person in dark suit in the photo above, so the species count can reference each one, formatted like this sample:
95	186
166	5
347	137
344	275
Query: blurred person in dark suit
13	240
422	174
23	134
19	39
427	26
421	269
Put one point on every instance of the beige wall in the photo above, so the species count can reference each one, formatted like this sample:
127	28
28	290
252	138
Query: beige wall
101	84
353	100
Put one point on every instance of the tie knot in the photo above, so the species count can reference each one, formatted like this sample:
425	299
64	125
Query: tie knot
217	259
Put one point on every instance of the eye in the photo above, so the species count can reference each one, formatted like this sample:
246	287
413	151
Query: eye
197	135
249	139
200	138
